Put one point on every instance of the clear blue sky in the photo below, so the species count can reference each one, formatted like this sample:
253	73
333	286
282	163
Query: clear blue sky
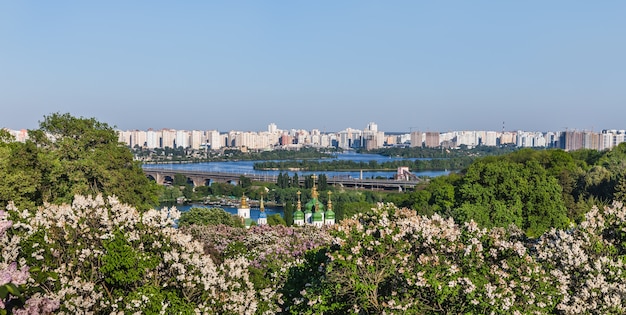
420	65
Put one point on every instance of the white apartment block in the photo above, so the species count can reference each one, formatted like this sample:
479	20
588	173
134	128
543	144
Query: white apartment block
168	137
153	139
490	139
369	138
182	138
196	139
214	139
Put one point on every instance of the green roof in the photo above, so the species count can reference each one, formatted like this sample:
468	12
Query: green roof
298	215
330	215
314	202
317	217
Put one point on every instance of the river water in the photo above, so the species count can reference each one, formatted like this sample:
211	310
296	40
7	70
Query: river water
247	167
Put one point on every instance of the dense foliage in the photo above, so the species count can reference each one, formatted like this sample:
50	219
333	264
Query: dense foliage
208	216
535	190
438	153
180	154
68	156
344	165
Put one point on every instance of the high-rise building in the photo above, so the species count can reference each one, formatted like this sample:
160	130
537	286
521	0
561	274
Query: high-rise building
417	139
152	139
507	138
214	139
373	127
490	139
168	138
182	138
571	140
271	128
195	139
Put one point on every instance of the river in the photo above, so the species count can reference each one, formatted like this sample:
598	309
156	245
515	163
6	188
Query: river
247	167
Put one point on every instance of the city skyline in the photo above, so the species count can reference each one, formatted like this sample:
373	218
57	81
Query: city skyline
408	65
371	137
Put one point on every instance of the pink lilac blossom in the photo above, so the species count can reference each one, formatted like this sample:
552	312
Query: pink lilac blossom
10	273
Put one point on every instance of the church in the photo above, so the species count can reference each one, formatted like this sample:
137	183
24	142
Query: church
314	212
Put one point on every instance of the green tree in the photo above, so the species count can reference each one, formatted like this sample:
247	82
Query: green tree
67	156
295	181
244	182
179	180
288	210
21	175
308	181
322	182
620	190
283	180
188	192
208	216
501	192
169	193
442	193
275	219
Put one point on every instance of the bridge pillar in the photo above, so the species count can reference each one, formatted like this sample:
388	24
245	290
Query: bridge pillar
197	180
160	179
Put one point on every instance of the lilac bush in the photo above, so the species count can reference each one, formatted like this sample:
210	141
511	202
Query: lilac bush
101	256
16	283
270	250
588	262
392	261
110	258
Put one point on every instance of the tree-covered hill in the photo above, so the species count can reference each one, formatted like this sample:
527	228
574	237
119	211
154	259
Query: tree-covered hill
534	190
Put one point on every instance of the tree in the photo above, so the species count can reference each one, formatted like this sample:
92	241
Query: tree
308	181
322	182
283	180
288	210
188	192
620	189
179	180
208	216
21	175
295	182
244	182
501	192
67	156
442	193
275	219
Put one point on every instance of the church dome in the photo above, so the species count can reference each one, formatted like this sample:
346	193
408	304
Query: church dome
317	217
314	205
330	215
298	215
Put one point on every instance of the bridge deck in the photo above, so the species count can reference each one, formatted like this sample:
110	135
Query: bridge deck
201	177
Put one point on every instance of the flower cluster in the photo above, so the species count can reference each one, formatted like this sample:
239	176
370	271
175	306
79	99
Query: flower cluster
110	258
16	283
588	262
393	261
101	256
270	250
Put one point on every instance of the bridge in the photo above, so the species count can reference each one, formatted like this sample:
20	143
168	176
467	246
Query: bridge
202	178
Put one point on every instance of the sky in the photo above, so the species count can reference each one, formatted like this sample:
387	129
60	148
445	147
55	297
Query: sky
240	65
